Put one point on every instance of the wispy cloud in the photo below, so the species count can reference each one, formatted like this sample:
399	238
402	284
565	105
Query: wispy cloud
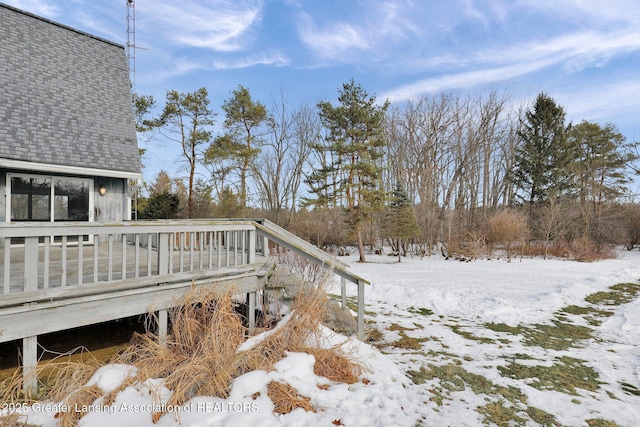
275	58
331	41
368	32
587	13
602	101
573	53
218	25
96	25
38	7
462	80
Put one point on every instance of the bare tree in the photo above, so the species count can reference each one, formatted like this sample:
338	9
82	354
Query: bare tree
278	171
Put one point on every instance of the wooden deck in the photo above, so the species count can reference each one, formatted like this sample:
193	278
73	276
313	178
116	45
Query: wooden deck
104	262
61	276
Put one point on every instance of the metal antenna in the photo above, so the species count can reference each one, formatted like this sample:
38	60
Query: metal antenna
131	42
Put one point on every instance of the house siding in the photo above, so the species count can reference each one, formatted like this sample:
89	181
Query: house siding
64	96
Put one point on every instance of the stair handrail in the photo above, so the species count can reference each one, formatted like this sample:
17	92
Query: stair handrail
300	246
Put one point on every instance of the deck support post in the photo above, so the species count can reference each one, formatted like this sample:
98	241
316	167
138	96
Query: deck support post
343	292
29	365
163	326
252	312
360	310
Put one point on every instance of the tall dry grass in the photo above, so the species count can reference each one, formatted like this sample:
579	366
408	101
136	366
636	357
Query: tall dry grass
200	355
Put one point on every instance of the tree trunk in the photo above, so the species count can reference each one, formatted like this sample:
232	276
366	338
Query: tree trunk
360	246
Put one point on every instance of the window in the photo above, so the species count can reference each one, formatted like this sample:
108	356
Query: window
30	199
46	198
71	200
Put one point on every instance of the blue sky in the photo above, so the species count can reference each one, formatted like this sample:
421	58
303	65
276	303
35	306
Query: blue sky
583	53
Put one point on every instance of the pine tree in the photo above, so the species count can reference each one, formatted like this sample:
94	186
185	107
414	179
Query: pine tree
544	152
400	221
161	205
187	118
599	172
354	144
241	142
599	166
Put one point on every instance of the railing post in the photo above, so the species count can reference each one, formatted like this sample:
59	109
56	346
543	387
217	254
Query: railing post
343	292
360	310
30	264
7	265
251	250
163	254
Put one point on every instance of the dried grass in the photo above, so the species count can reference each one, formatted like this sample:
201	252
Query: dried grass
15	420
56	379
335	366
286	398
77	399
577	250
200	355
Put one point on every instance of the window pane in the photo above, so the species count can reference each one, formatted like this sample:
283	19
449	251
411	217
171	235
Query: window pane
30	199
71	200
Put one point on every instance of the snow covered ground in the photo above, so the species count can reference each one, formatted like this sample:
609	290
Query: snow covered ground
455	344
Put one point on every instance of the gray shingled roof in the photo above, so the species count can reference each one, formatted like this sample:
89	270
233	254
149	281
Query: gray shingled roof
64	96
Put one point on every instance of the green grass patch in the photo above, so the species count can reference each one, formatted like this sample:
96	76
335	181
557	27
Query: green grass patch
504	328
541	417
557	336
599	422
408	343
619	294
469	335
420	310
500	414
522	356
630	389
563	334
453	377
566	375
506	405
577	310
373	335
396	327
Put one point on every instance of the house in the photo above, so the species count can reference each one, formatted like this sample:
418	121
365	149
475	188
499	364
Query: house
68	148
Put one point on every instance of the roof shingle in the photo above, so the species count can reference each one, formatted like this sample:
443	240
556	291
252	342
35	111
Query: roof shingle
64	96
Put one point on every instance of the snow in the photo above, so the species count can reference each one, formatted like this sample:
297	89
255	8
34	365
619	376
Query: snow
465	295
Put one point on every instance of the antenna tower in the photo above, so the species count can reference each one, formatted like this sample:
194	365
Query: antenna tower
131	42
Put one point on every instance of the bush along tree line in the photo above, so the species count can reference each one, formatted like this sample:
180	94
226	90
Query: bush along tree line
460	176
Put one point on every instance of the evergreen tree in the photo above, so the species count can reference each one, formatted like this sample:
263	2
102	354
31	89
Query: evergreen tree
163	205
599	175
241	143
202	201
229	205
544	152
142	106
187	119
355	141
400	222
599	166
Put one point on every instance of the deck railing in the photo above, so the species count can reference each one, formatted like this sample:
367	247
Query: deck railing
45	256
43	261
58	271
